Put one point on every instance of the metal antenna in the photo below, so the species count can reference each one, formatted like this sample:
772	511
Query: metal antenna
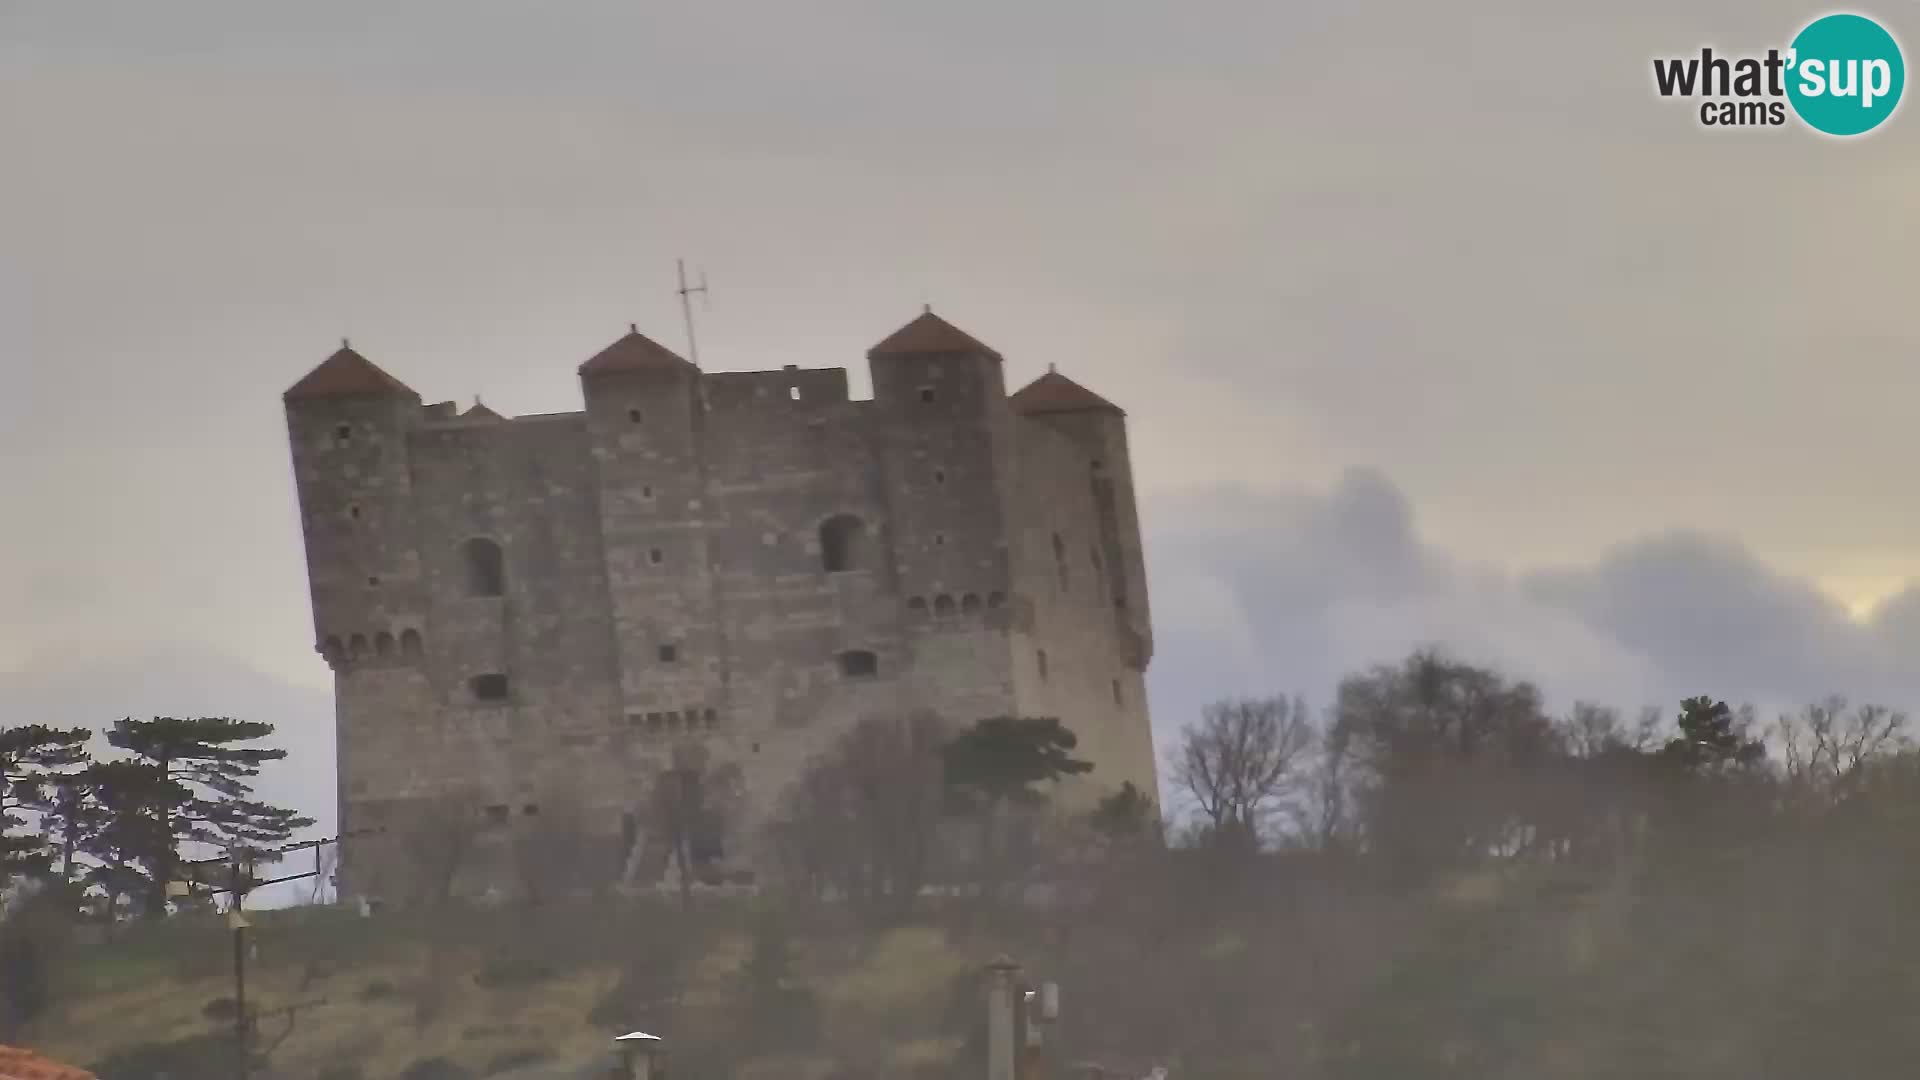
686	307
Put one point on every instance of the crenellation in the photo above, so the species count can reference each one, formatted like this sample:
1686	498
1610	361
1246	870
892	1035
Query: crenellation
546	609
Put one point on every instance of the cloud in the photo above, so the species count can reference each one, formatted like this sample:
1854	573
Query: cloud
1286	593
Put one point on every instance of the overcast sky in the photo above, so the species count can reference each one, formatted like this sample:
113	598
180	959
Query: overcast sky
1433	325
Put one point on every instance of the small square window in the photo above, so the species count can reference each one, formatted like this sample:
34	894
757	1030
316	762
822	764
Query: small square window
655	556
497	813
939	539
489	687
343	434
633	416
373	582
939	476
859	664
646	491
531	810
926	393
669	653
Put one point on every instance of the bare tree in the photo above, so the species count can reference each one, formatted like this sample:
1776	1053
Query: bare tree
1242	760
1825	746
438	842
862	820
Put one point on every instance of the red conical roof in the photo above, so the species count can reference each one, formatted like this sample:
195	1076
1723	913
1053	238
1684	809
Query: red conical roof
1055	393
346	374
635	353
929	334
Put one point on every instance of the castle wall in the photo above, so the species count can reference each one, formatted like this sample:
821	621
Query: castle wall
1070	657
747	561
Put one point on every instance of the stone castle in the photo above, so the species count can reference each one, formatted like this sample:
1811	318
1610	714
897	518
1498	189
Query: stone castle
528	611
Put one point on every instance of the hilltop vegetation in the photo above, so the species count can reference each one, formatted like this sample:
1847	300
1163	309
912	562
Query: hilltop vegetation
1436	879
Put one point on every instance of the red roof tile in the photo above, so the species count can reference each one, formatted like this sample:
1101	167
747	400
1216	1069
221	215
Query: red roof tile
929	334
346	374
1055	393
17	1064
635	353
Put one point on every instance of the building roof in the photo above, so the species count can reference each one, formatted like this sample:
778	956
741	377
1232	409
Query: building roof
481	412
635	353
346	374
929	333
1055	393
18	1064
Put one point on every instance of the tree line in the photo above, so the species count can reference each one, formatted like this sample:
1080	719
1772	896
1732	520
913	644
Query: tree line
112	832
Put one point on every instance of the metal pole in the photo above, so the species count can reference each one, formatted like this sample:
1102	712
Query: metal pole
1003	1051
240	995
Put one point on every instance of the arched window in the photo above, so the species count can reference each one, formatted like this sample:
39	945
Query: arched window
410	643
943	604
970	603
842	543
1060	559
333	649
917	604
357	646
486	567
859	664
1043	665
383	644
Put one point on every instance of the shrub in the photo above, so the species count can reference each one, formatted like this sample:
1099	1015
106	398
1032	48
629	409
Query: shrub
436	1068
508	1060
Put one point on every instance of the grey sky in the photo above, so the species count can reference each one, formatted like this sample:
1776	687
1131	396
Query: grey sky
1469	250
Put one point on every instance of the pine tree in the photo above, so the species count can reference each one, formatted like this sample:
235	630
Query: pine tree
32	760
204	758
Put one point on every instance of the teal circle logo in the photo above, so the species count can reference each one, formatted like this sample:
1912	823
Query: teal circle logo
1845	74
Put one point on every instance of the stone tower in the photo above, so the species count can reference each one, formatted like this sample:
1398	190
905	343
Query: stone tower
535	615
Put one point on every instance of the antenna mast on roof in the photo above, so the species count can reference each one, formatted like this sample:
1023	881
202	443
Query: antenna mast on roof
686	307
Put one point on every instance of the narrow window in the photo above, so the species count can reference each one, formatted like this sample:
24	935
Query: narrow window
1043	665
926	394
793	393
669	653
943	604
353	511
859	664
713	719
633	416
939	539
939	476
343	435
970	603
842	543
1116	691
410	643
1060	560
655	556
486	567
646	491
489	687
